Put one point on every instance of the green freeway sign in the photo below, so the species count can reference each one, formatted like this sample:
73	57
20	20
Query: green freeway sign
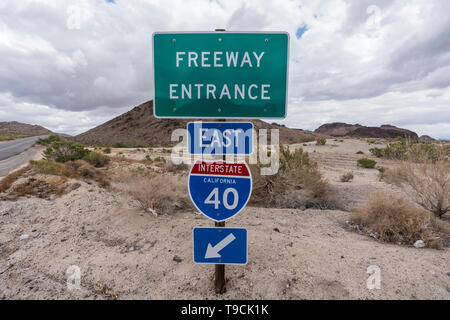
220	74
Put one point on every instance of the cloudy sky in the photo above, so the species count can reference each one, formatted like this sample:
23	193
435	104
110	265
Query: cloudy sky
70	65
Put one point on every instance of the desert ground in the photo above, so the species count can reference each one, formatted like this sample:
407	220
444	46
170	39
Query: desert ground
124	252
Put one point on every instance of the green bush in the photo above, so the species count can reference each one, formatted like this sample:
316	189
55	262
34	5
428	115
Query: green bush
297	183
63	151
50	167
160	159
107	150
407	150
47	141
131	144
367	163
377	152
321	141
96	159
147	158
360	152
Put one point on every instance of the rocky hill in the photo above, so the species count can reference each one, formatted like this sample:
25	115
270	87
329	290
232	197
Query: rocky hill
138	127
23	128
339	129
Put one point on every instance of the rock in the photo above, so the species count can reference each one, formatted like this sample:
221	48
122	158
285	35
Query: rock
177	259
419	244
276	229
24	237
448	273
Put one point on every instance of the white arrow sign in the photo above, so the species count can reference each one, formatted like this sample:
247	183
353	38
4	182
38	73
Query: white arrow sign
213	252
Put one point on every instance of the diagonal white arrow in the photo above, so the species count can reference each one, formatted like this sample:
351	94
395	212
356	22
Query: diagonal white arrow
213	252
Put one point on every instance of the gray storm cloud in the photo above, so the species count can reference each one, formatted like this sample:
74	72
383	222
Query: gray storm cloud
70	65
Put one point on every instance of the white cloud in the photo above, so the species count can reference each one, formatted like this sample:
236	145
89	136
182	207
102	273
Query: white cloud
74	64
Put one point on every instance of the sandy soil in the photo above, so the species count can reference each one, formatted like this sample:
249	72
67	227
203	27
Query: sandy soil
293	254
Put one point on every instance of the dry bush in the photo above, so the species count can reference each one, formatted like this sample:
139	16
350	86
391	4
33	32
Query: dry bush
171	167
41	188
298	183
427	182
78	169
346	177
51	167
393	219
159	194
8	180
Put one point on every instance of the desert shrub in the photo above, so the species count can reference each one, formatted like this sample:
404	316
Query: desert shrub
377	152
107	150
156	193
8	136
381	172
147	158
78	169
171	167
7	181
48	141
366	163
131	144
321	141
63	151
166	150
393	219
45	188
298	183
51	167
96	159
427	182
346	177
406	149
359	152
160	159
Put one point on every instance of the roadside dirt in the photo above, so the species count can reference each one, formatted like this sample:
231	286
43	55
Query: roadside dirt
125	253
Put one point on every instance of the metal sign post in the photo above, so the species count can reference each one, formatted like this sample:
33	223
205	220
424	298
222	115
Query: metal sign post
226	75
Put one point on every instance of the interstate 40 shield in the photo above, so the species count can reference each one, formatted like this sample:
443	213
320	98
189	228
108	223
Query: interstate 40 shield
220	189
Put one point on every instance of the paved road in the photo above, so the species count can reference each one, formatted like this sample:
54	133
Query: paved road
11	148
15	154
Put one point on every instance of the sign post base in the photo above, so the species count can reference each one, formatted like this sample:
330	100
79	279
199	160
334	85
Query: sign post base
219	276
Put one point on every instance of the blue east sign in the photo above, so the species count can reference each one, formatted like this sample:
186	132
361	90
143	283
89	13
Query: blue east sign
220	138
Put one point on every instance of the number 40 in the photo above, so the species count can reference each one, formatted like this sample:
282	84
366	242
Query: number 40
213	198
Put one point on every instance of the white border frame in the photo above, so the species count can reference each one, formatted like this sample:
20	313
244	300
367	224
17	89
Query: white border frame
246	201
236	264
221	32
222	154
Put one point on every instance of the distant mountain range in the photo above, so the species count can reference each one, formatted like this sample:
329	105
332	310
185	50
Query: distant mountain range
23	128
339	129
138	127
